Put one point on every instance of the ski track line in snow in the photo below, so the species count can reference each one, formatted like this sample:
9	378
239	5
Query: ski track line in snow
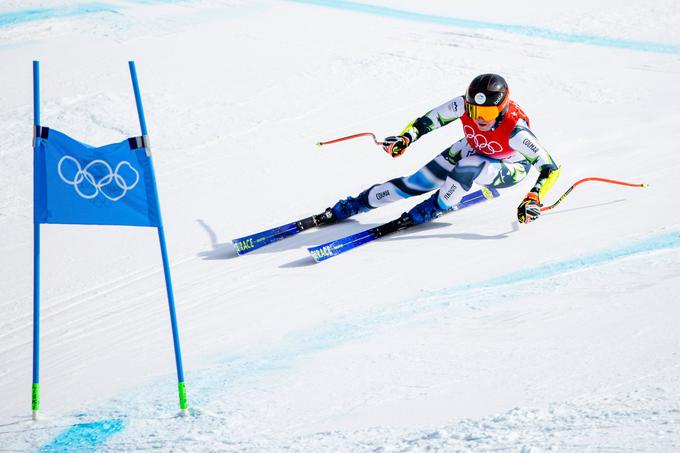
68	303
525	30
85	437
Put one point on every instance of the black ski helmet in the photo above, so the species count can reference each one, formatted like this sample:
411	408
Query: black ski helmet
488	90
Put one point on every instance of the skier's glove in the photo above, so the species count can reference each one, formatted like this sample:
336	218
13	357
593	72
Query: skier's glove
530	208
395	146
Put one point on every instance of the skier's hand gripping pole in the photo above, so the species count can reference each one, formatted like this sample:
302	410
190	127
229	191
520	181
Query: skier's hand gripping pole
393	145
580	181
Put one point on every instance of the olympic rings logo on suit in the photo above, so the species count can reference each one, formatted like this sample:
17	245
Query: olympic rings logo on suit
84	177
481	142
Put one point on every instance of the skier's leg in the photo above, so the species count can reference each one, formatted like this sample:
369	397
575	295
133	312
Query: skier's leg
483	171
471	169
429	177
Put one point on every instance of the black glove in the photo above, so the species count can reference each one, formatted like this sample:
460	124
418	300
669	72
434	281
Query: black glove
530	208
395	146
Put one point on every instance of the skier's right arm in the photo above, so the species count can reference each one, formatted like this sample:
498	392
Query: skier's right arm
434	119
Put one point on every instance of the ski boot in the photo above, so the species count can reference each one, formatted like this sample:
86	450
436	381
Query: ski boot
426	211
342	210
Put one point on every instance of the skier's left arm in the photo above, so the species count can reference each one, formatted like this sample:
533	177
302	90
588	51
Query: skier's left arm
525	142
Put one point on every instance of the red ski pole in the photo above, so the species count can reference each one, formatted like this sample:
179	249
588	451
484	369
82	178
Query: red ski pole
580	181
349	137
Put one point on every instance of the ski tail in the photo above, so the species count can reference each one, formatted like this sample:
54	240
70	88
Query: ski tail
330	249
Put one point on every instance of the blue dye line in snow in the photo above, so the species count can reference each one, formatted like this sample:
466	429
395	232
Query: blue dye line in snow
652	244
34	15
39	14
84	437
525	30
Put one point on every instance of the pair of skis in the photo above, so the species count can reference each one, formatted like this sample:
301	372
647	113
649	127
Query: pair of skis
334	248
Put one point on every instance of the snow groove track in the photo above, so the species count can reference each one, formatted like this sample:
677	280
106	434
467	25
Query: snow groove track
66	305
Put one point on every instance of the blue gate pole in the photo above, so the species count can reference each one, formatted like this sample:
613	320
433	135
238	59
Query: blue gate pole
164	252
35	390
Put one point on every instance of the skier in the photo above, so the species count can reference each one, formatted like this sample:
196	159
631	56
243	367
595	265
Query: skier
498	150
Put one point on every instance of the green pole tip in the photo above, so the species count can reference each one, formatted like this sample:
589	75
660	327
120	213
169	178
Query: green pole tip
35	401
35	398
182	396
318	143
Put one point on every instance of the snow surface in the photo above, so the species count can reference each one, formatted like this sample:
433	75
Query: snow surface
470	334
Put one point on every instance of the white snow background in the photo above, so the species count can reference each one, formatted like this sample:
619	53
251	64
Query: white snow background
472	333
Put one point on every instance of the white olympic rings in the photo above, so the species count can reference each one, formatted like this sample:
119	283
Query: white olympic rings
481	143
84	178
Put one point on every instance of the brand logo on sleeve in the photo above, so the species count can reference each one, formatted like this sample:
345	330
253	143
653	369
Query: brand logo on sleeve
450	192
381	195
530	145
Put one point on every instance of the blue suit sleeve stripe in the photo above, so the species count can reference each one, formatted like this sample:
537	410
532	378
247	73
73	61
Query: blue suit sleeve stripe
408	191
402	194
419	180
437	170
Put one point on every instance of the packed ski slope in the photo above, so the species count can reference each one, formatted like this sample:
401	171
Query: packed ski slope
472	333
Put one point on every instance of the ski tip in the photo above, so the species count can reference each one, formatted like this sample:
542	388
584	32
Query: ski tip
243	245
321	253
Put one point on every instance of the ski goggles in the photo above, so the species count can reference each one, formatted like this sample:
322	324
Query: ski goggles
485	112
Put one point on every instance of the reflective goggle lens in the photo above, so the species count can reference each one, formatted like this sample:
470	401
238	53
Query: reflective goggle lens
485	112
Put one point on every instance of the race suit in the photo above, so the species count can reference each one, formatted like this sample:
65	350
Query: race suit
498	158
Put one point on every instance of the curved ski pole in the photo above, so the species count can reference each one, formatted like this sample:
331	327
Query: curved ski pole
349	137
580	181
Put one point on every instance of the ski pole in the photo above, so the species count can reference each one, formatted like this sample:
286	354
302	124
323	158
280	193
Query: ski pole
349	137
580	181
